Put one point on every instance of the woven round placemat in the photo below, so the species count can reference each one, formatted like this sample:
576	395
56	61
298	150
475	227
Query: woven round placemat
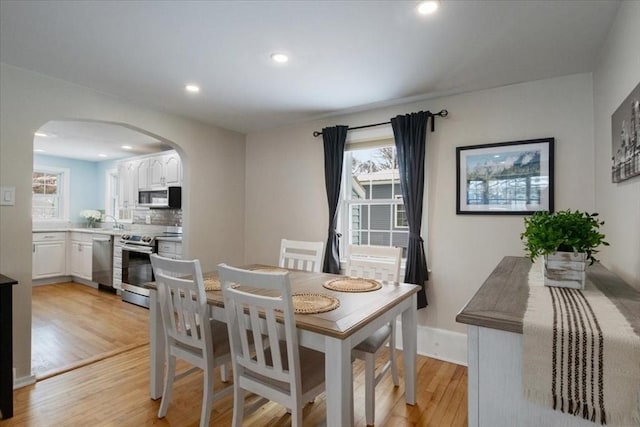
270	270
212	285
352	284
309	303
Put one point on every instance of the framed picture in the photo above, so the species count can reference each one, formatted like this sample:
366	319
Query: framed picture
625	138
507	178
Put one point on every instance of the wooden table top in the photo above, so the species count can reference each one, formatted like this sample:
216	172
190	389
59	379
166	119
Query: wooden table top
356	308
501	301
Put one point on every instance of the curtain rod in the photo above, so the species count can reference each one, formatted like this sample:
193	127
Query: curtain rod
442	113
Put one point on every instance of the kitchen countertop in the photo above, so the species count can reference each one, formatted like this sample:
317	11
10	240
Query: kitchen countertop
81	230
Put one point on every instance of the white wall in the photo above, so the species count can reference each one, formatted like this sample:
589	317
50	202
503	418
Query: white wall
214	177
285	193
617	73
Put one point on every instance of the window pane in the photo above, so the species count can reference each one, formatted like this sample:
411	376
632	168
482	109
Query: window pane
46	197
380	238
376	213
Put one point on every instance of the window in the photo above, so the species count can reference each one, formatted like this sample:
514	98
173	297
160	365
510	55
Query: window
372	211
400	214
49	188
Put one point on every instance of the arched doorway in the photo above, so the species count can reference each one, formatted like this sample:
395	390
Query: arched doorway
77	168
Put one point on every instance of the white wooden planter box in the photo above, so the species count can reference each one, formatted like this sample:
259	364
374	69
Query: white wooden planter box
565	269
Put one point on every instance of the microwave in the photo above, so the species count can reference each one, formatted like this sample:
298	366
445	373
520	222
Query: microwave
164	198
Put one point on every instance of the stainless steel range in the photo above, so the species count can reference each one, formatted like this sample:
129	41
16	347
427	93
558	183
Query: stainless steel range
136	265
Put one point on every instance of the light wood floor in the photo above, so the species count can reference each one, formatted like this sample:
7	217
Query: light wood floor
113	391
74	324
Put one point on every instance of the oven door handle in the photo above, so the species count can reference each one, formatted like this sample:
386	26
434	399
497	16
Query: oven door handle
142	250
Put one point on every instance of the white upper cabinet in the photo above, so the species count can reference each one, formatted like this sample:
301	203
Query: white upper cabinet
160	171
128	187
172	170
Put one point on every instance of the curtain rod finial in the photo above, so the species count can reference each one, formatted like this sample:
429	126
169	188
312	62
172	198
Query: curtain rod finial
316	133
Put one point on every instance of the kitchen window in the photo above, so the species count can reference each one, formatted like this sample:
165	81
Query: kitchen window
372	210
50	194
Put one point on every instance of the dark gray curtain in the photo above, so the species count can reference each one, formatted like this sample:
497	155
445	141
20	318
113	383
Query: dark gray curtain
410	133
334	139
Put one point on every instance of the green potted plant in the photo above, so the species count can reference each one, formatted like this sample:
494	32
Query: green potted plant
566	240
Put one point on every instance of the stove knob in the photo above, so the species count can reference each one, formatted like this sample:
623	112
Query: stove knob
146	239
125	237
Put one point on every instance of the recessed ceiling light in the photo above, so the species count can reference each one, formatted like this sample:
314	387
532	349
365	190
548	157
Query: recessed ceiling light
192	88
102	155
38	150
126	147
42	134
280	58
428	7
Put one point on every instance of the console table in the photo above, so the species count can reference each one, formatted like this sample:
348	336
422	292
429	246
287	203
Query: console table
494	332
6	343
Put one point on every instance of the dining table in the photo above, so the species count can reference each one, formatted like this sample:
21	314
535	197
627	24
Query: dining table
335	333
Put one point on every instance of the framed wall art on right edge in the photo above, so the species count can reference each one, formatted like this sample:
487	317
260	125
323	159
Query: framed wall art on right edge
625	138
507	178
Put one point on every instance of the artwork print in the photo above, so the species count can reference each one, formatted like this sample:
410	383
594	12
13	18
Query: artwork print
625	138
505	178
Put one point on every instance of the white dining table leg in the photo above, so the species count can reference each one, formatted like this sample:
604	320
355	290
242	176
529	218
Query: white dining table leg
156	347
338	382
409	349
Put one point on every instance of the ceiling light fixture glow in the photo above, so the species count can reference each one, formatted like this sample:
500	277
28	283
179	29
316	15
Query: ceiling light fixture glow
41	134
102	155
38	150
192	88
280	58
126	147
428	7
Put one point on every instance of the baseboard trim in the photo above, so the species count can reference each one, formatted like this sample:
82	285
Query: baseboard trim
440	344
23	381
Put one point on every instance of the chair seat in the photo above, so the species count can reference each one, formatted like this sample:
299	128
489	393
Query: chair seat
375	341
221	345
311	369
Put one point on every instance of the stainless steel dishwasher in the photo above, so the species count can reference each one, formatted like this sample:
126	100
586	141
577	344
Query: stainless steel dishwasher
102	263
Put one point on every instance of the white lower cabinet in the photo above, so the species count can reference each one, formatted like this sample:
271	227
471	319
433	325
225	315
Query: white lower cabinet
170	249
117	263
80	255
49	255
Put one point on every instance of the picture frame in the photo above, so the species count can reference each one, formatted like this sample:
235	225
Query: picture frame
506	178
625	138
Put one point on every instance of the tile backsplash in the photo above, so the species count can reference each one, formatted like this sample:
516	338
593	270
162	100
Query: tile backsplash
158	216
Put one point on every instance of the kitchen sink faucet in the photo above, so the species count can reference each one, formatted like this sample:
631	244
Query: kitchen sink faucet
116	225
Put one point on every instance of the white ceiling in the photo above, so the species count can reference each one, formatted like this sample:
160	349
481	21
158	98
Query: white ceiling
85	140
344	55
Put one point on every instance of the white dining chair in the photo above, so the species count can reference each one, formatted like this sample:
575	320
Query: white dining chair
379	263
278	370
299	255
189	333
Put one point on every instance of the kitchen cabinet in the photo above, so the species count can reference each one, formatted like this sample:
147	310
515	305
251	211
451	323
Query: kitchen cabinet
169	249
128	188
49	255
80	254
160	171
117	263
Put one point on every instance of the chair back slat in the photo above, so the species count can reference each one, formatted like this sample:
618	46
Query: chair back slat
299	255
183	302
254	302
374	262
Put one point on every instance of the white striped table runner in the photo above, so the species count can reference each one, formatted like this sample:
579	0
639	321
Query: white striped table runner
580	355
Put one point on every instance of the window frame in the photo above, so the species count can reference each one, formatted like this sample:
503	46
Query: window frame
395	213
64	179
345	218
